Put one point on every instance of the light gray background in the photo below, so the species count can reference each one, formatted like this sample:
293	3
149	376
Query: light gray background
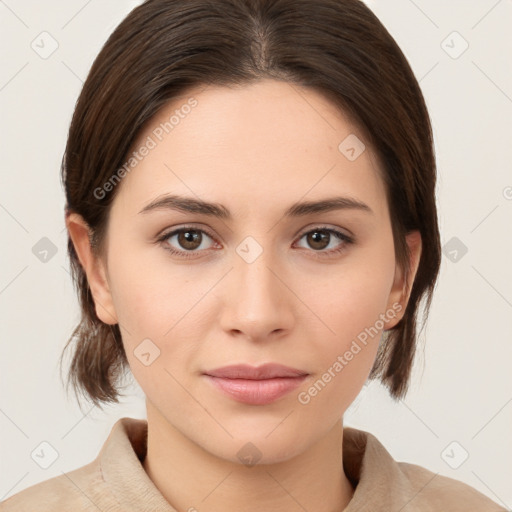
461	389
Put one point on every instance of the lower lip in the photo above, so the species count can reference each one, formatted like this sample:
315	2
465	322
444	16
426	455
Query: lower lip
256	392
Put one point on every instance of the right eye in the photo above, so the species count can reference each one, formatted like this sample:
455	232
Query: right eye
188	239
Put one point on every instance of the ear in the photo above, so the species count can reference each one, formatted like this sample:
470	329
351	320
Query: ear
93	266
401	291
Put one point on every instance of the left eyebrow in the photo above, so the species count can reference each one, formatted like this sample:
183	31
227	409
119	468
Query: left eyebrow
300	209
326	205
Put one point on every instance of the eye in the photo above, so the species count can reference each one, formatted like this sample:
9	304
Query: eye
189	240
322	237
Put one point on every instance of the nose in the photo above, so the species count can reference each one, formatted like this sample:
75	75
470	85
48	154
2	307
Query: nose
256	302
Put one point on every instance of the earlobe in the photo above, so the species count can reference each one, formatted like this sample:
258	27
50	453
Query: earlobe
93	267
401	290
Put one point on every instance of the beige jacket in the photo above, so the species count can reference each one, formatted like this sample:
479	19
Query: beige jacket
116	481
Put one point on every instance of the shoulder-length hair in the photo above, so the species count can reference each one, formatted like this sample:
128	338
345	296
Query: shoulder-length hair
337	47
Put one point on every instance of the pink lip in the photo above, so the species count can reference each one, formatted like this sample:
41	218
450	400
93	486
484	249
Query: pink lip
256	385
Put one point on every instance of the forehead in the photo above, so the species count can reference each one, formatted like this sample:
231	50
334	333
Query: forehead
266	142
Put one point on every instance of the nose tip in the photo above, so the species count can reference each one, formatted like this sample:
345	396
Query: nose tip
255	301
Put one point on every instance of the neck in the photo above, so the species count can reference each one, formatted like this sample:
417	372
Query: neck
190	478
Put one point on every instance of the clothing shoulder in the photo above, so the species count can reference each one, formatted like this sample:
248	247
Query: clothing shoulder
80	489
438	492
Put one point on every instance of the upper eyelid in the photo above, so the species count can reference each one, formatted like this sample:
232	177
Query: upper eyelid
174	231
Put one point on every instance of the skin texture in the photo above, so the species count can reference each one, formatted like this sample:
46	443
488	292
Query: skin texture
256	150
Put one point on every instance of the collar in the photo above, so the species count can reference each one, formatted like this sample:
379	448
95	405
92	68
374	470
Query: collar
379	482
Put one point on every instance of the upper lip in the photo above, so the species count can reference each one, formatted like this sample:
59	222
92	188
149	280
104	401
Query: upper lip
265	371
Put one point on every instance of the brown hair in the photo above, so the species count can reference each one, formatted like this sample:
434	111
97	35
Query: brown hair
337	47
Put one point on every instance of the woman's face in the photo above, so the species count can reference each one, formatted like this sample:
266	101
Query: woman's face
256	285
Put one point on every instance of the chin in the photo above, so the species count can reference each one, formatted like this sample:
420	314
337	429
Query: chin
258	444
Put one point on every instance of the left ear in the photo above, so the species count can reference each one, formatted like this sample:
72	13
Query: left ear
401	290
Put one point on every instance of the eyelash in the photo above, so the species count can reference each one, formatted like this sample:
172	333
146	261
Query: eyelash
320	254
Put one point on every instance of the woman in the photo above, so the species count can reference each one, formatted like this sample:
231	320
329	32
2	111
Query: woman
252	225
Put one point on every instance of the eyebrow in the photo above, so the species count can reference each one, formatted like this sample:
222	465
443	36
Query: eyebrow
299	209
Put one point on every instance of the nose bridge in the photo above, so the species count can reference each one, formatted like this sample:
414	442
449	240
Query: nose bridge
253	271
257	300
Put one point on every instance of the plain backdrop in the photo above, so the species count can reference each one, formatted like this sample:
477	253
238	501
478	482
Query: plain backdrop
456	419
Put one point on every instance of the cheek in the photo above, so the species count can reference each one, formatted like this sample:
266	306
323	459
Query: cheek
353	300
160	301
151	313
343	361
354	294
145	302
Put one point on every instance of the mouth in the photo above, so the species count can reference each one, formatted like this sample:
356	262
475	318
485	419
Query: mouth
256	385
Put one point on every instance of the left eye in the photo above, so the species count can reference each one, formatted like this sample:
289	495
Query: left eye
320	238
